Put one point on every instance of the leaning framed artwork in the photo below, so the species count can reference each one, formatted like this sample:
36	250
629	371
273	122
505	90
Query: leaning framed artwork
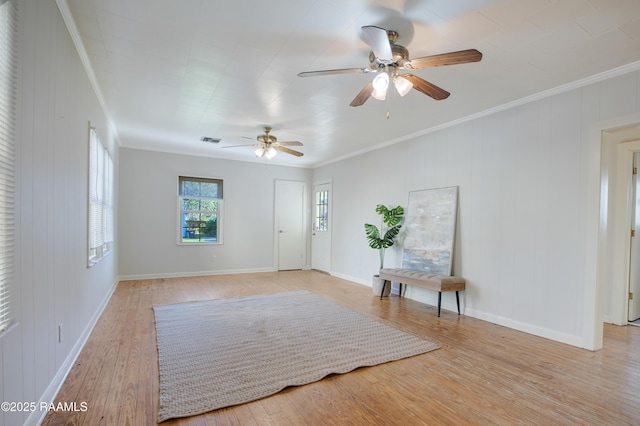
430	226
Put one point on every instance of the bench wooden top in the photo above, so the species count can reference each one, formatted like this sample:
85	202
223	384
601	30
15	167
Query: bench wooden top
422	279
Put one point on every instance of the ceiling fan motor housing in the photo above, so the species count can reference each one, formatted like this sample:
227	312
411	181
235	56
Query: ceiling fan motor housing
400	56
267	138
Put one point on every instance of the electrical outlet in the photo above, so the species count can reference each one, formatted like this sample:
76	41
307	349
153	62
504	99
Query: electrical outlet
213	258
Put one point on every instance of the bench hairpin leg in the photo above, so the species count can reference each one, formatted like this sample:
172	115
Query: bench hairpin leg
384	284
458	301
439	301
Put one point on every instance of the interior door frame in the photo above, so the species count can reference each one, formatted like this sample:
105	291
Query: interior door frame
634	249
598	159
622	235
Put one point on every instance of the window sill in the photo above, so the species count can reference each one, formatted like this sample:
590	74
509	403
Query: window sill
204	243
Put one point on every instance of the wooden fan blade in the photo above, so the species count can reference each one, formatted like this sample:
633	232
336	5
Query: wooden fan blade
453	58
333	72
427	88
362	97
289	143
378	39
288	151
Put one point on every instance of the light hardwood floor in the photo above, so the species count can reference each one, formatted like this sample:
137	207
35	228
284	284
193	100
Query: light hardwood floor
483	373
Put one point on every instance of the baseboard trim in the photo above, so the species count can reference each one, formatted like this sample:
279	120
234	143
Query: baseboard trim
394	286
352	279
194	274
554	335
36	417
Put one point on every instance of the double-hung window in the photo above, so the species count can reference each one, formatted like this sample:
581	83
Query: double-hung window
101	215
8	64
200	207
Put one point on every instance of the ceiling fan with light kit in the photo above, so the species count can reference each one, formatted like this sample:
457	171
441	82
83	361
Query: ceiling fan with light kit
268	145
387	59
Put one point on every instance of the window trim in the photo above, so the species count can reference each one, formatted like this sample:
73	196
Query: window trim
219	211
107	174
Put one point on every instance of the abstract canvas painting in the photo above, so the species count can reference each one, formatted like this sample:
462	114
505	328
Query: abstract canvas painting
430	226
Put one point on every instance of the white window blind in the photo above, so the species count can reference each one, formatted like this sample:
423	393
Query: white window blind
8	64
101	215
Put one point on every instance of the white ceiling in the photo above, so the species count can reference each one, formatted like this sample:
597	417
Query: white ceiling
173	71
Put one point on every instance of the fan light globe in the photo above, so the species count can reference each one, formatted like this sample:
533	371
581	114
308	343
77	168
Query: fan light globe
381	82
380	95
380	86
259	152
403	86
270	153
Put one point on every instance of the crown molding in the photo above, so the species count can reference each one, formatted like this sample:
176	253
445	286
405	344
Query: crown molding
67	17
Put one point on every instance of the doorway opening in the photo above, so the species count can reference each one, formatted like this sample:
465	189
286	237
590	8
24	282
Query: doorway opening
619	263
633	308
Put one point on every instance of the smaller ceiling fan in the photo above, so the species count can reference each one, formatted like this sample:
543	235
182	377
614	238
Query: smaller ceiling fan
269	146
387	58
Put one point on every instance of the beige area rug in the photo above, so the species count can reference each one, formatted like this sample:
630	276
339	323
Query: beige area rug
219	353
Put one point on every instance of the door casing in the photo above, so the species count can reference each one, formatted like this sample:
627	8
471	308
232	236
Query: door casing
634	254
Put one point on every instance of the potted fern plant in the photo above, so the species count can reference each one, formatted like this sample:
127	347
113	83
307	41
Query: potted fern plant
383	238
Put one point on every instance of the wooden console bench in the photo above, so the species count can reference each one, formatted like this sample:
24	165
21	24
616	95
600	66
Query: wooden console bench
437	283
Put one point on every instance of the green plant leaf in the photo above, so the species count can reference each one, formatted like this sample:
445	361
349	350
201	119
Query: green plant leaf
373	236
382	210
390	236
394	216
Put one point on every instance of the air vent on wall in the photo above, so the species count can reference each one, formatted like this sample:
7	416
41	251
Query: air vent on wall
210	140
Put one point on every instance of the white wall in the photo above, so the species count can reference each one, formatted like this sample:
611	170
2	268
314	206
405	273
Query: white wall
53	285
147	237
525	202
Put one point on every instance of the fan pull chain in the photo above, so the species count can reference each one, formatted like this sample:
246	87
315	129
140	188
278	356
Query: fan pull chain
390	94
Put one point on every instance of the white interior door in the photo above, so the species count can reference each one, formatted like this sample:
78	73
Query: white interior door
634	262
321	232
290	225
